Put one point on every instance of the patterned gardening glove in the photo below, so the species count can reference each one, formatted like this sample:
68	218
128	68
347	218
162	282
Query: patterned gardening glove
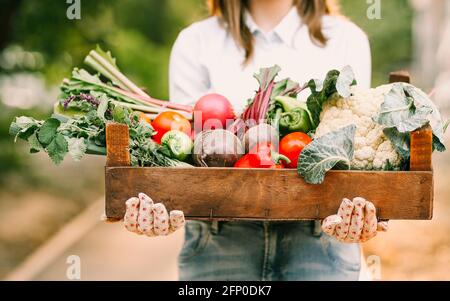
355	222
145	217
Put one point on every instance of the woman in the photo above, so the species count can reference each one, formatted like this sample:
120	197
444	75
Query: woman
306	38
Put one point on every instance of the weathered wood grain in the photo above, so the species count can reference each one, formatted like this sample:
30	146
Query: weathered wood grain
421	149
226	193
117	142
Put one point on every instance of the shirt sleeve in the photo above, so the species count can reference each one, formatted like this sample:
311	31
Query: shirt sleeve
358	56
188	77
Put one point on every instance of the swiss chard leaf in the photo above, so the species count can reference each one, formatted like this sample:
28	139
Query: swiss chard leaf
285	87
333	150
266	76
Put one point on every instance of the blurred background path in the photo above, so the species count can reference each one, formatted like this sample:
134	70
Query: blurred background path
106	251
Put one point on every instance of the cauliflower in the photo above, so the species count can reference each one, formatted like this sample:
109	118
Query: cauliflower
373	151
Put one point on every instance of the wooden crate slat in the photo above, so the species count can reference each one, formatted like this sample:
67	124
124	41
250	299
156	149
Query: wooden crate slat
117	141
421	149
226	193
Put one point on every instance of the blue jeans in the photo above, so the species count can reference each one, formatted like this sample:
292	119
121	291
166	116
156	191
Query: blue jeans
265	251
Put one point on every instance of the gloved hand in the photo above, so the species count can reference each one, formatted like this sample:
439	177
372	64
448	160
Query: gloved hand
355	222
145	217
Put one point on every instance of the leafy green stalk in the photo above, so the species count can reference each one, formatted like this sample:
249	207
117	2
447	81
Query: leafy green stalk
83	81
104	63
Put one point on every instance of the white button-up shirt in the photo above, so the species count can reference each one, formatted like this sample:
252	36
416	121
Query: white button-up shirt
205	58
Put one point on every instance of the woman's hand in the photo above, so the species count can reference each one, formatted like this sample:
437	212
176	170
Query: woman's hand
146	218
355	222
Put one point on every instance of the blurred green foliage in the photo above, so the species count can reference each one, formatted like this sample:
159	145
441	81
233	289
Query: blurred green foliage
141	33
390	37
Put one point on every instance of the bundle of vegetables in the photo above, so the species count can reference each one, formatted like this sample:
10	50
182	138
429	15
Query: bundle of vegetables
364	129
118	89
86	134
87	103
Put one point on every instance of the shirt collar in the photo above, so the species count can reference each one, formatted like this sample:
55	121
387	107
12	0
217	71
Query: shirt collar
285	30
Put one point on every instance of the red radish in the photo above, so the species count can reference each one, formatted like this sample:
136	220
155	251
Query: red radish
215	106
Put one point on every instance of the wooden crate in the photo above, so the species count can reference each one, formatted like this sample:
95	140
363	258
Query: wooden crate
266	194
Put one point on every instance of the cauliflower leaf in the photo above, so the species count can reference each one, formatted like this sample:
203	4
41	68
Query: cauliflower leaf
321	91
406	109
333	150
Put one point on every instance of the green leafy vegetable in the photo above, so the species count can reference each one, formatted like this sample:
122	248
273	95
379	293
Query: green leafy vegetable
35	145
435	118
285	87
85	134
345	80
23	127
321	91
57	149
333	150
406	109
47	132
399	111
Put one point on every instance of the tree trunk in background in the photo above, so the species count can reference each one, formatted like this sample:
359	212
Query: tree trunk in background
7	14
431	28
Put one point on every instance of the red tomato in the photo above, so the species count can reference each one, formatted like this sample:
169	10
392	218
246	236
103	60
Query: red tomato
168	121
292	145
261	156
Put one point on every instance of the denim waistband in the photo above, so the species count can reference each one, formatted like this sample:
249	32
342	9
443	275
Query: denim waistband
316	229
